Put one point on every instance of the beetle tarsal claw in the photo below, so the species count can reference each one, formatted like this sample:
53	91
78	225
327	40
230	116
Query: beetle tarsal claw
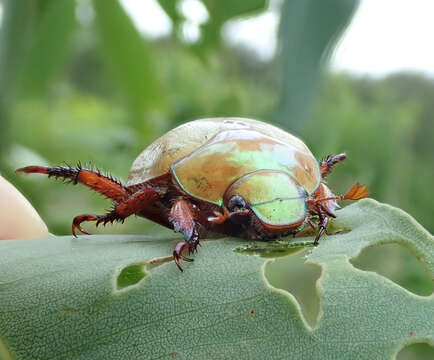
179	249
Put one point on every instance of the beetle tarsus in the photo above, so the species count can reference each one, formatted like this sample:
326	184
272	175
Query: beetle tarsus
104	219
180	248
82	218
327	163
323	222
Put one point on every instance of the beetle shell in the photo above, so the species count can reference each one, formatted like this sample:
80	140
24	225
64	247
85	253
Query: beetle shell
212	159
207	172
157	158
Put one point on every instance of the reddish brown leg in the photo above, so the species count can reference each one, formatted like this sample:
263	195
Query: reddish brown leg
220	218
131	205
326	164
103	185
324	203
110	217
322	226
182	218
356	192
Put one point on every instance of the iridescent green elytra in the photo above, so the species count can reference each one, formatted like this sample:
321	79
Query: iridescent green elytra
273	177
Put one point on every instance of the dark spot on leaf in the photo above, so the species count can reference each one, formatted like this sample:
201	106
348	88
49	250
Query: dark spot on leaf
416	351
398	264
411	333
252	312
293	275
66	308
174	353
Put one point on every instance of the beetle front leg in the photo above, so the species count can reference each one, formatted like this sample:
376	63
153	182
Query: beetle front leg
182	218
220	218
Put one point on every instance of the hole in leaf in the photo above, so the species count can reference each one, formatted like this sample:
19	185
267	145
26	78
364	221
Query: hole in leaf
130	275
273	249
134	273
416	351
397	263
293	275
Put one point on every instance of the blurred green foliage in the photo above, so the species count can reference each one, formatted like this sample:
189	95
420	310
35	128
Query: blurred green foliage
79	82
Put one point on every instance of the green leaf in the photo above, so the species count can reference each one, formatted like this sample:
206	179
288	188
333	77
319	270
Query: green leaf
223	10
309	30
49	46
16	25
128	57
60	298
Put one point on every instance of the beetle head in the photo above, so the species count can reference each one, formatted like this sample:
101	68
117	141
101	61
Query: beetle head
236	203
274	197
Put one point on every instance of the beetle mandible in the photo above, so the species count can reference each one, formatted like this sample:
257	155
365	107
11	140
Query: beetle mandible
232	176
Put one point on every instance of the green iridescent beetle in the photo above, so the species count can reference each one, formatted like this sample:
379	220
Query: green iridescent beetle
232	176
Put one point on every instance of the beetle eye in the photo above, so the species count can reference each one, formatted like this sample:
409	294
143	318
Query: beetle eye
236	203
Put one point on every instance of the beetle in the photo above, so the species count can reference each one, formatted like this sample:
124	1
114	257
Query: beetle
231	176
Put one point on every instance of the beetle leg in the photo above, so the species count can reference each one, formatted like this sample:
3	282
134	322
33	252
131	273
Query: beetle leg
356	192
182	218
328	162
311	224
220	218
110	217
322	226
79	219
134	203
104	185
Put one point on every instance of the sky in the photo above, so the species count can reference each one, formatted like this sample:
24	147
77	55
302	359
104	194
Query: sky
385	36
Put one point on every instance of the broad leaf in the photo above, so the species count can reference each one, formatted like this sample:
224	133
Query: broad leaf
308	32
101	297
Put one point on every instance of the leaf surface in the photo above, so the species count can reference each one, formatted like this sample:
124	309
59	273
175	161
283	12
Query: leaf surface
60	298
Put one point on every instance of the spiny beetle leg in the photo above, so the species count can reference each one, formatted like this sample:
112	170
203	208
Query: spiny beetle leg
323	222
82	218
182	218
177	253
326	164
110	217
104	185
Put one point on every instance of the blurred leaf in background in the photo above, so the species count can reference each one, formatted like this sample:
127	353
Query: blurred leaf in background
308	33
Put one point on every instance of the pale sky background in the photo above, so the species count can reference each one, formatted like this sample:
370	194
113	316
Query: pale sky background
385	36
